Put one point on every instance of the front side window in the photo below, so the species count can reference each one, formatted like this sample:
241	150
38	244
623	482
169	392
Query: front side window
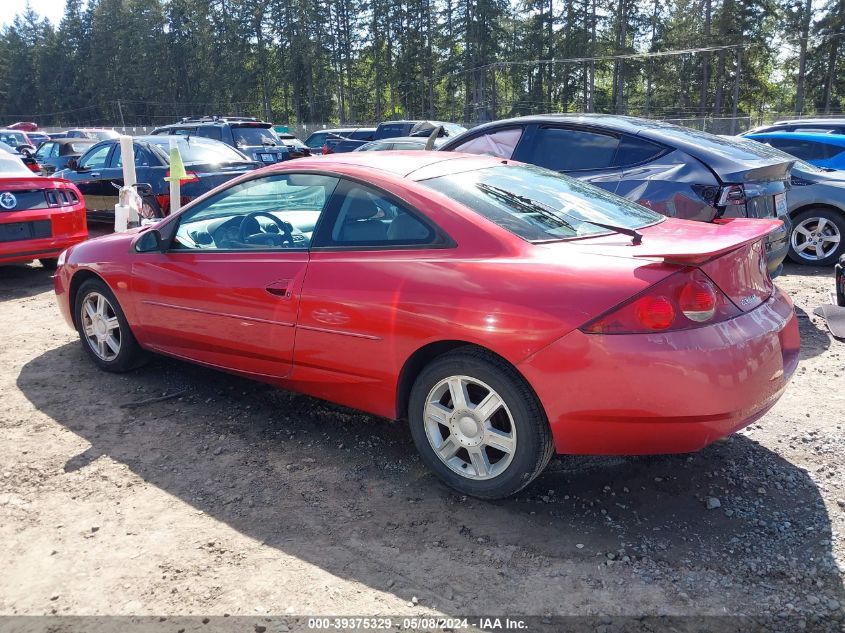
210	131
500	144
200	150
96	157
368	217
540	205
268	213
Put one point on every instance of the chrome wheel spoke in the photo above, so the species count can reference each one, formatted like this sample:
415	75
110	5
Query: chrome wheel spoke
802	247
89	330
90	310
487	407
448	449
113	344
480	461
458	391
494	438
832	239
112	324
820	226
802	230
437	413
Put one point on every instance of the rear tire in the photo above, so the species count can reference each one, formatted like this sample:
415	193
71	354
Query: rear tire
478	425
103	329
49	264
818	237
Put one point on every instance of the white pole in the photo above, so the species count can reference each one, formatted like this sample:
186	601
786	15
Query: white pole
124	214
127	156
175	184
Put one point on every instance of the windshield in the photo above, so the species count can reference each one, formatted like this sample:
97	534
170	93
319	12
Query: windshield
539	205
10	167
254	136
195	150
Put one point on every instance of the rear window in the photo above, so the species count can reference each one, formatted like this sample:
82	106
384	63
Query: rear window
11	166
196	150
392	129
539	205
76	148
253	136
12	138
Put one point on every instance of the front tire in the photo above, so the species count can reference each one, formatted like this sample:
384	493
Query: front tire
818	237
103	329
478	425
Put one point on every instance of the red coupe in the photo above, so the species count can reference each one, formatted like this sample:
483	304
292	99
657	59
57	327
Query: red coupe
39	217
506	311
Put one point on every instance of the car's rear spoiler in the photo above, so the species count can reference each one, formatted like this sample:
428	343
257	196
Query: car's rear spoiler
709	240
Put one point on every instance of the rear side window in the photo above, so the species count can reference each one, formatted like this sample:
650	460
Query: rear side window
565	149
807	150
368	217
210	131
392	130
635	151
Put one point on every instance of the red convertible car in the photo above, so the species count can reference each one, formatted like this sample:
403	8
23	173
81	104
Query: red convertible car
39	217
506	311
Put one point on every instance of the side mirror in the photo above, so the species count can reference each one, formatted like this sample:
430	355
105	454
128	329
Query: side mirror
149	242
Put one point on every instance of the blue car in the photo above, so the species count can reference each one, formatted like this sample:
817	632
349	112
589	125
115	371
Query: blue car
98	173
821	150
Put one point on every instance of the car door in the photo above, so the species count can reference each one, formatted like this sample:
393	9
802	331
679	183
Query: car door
88	177
583	153
364	264
225	292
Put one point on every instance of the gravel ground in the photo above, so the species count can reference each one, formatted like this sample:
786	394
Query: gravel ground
237	498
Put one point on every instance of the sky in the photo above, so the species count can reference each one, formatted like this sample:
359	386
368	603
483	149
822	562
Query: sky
50	9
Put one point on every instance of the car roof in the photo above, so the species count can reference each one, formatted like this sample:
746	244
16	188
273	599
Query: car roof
724	155
68	141
414	165
814	121
830	139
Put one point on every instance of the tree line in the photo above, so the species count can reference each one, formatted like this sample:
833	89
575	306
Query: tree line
141	62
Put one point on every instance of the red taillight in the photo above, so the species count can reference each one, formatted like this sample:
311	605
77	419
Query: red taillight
34	167
698	300
655	313
192	177
685	300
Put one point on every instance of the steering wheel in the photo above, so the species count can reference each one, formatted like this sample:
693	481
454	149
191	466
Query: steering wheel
285	227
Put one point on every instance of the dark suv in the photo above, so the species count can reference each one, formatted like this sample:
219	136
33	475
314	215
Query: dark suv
255	138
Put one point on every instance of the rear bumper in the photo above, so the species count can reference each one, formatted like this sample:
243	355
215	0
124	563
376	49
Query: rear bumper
777	246
665	393
67	227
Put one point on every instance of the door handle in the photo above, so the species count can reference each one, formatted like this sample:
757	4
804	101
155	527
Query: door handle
279	288
94	173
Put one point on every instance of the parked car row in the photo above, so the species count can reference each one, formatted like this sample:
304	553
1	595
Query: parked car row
817	202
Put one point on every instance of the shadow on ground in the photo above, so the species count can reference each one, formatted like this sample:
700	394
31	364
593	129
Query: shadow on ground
345	492
18	281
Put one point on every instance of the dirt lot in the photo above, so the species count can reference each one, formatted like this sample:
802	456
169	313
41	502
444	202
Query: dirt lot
237	498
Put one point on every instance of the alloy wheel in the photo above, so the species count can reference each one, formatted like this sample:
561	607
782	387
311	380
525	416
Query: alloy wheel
101	326
815	238
469	427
